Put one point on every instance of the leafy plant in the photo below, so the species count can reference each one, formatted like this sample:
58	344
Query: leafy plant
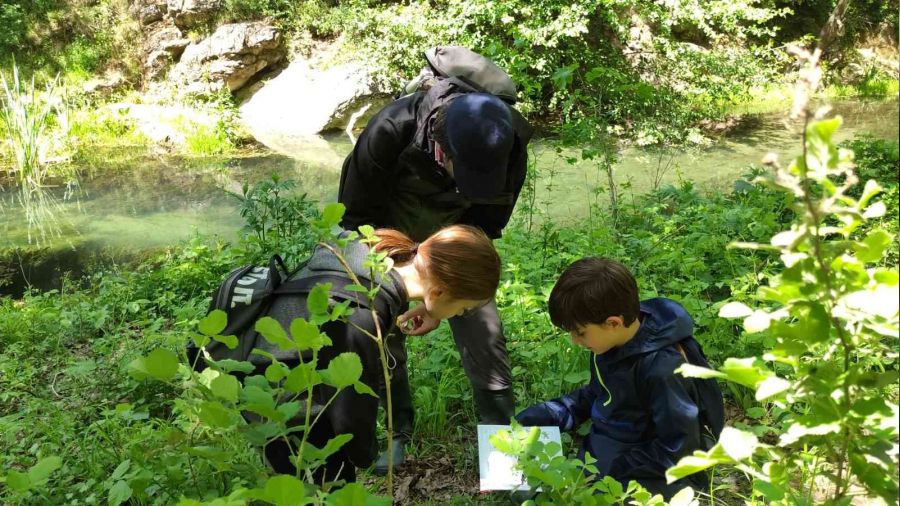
563	480
831	317
30	117
279	220
216	398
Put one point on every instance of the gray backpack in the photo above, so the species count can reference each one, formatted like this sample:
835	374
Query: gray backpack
464	64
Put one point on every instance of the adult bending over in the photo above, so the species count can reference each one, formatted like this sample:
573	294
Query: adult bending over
454	270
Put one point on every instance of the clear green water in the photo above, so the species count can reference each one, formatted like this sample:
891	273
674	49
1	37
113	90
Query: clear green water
136	201
564	190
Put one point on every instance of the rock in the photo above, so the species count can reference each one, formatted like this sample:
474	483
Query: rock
305	100
161	49
190	13
229	57
148	11
156	64
167	38
104	85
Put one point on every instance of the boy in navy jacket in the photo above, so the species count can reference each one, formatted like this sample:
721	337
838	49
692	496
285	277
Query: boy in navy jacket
644	416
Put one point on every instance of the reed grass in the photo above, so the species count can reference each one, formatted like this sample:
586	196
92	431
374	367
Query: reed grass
31	118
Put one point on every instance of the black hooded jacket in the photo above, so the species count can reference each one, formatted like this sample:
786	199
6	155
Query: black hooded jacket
644	417
391	180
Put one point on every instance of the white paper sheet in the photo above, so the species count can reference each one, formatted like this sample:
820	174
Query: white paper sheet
497	469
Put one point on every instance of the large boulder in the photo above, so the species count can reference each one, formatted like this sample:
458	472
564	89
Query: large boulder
161	48
305	99
229	57
190	13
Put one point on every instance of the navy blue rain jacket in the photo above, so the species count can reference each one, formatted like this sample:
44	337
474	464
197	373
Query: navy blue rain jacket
644	417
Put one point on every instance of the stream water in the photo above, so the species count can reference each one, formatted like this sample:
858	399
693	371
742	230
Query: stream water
131	202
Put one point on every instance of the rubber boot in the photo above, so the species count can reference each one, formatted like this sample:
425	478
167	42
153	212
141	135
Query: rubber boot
494	407
398	447
404	417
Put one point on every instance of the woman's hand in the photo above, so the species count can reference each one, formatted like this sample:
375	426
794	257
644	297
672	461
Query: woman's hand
417	321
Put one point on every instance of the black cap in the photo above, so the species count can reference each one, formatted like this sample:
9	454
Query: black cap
480	137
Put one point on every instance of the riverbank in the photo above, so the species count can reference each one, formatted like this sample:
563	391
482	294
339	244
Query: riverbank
65	352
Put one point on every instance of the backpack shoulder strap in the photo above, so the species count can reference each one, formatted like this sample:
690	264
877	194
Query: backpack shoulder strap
338	289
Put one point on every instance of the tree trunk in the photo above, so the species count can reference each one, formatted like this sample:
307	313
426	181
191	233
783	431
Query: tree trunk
834	27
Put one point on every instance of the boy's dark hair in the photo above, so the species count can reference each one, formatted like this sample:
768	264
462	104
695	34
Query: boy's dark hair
590	291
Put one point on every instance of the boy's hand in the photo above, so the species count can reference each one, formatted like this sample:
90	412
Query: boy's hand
417	321
537	415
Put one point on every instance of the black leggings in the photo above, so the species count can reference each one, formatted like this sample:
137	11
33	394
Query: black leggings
337	466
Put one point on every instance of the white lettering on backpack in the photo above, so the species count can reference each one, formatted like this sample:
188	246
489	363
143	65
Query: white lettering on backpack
245	295
242	295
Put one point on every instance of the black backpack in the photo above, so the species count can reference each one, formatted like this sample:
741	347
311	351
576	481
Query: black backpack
248	292
478	72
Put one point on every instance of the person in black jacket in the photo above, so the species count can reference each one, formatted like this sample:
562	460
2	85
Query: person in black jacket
454	270
447	155
644	416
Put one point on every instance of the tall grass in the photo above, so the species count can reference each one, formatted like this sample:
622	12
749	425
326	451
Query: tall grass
30	118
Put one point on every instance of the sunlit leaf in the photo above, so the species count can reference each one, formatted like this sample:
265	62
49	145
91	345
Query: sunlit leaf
18	481
302	377
695	371
161	364
332	214
367	231
214	414
744	371
363	389
735	310
876	210
226	386
757	322
119	493
213	323
283	490
274	333
771	387
354	494
690	465
230	342
797	431
738	444
872	248
317	301
343	370
307	336
684	497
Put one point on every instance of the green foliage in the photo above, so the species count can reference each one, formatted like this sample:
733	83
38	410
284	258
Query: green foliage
571	481
88	369
579	58
76	39
880	160
280	220
203	140
17	19
36	124
101	127
832	320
